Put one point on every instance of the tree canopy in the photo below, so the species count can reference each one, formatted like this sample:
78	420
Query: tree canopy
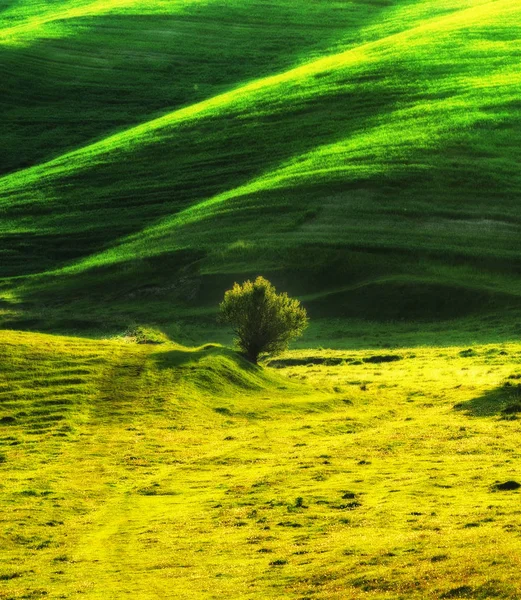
264	321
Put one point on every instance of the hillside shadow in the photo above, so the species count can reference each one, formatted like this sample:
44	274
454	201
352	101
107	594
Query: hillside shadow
202	50
212	372
504	401
172	359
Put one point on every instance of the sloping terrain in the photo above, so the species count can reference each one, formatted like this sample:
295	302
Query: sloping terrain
74	71
358	153
133	471
362	154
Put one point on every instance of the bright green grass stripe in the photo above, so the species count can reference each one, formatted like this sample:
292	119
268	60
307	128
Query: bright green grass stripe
33	16
420	127
71	10
148	132
145	133
143	243
72	73
30	28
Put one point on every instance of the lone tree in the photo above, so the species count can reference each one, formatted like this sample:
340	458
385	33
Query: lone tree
263	320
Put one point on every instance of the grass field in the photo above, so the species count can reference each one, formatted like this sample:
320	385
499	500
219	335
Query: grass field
364	156
161	471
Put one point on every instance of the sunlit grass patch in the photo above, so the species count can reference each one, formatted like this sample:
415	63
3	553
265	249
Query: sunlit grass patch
185	471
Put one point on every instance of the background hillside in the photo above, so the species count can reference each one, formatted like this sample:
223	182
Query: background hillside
363	155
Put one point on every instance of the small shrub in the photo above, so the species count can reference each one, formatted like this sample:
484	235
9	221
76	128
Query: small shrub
61	558
348	505
348	496
439	558
382	358
263	320
141	334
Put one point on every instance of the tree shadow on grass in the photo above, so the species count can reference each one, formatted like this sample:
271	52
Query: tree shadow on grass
214	371
504	401
180	358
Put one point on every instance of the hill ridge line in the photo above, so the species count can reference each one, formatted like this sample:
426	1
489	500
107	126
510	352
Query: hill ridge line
124	138
96	7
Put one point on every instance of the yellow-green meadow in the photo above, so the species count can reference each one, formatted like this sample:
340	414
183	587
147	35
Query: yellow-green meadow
147	471
363	157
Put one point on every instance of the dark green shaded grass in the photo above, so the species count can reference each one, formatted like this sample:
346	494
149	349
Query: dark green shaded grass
399	156
108	71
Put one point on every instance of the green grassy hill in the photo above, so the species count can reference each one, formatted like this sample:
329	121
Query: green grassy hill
362	155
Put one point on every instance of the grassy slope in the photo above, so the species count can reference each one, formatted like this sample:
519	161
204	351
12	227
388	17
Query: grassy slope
385	148
133	471
98	66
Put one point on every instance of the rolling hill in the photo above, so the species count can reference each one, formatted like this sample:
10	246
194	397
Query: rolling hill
363	155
